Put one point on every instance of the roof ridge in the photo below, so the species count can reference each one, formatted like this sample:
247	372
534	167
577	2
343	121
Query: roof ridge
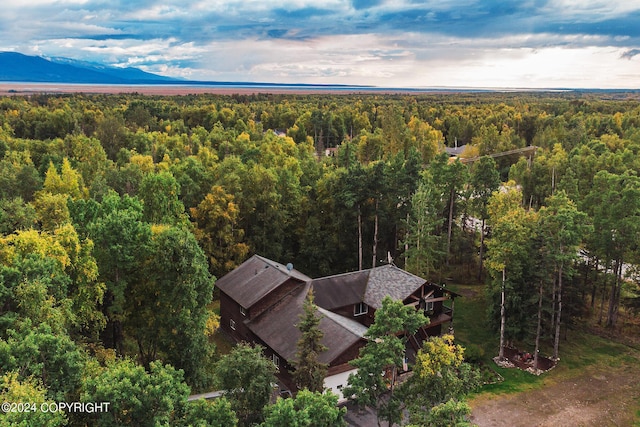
284	270
368	270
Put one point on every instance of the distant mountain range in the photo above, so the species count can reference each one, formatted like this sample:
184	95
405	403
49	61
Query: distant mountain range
17	67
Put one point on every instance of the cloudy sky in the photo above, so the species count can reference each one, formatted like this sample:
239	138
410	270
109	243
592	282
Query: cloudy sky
390	43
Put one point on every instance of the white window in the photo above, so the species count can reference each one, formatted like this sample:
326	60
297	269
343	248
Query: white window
232	324
276	360
360	308
243	311
428	305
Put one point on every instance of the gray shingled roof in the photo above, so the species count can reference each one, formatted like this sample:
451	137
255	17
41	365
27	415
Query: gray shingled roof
255	278
455	151
277	328
368	286
392	281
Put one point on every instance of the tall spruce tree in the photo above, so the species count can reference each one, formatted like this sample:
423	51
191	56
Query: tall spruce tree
310	372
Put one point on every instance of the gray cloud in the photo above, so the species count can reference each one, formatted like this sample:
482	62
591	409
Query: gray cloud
188	33
630	53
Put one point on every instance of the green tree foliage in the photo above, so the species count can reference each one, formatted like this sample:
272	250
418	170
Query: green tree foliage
307	409
561	227
51	210
449	179
423	241
68	182
39	352
616	224
136	397
62	157
203	413
246	376
309	371
159	193
16	215
18	176
89	157
167	310
14	390
484	181
194	179
51	278
509	249
122	242
112	133
450	413
218	231
387	337
439	382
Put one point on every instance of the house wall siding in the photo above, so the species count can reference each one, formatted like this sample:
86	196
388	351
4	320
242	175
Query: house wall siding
364	319
339	363
230	310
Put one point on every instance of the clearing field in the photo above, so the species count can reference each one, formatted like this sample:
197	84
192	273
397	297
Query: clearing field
599	397
596	382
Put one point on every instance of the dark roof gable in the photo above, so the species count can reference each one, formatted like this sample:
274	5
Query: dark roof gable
278	328
255	278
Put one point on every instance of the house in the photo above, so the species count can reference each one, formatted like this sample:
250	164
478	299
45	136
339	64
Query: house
261	302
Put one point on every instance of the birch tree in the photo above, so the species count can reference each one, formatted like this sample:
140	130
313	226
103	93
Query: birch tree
511	229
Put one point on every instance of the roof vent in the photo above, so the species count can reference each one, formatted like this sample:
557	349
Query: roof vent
289	267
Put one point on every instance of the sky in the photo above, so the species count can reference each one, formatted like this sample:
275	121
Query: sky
387	43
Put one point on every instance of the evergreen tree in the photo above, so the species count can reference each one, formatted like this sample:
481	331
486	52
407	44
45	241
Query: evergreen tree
310	372
423	242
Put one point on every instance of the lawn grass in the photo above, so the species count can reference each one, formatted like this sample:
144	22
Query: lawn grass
578	352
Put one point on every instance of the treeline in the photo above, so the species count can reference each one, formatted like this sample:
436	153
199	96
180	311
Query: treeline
117	212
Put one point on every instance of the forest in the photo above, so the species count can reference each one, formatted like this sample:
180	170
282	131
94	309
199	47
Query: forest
118	212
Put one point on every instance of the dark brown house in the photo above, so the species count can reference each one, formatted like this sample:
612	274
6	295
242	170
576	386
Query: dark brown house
261	302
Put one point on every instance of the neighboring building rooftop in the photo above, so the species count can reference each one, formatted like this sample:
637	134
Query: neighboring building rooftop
455	151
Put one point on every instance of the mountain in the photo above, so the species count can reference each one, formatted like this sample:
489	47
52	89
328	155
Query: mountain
16	67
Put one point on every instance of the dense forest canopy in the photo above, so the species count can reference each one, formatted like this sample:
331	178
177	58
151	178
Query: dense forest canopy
117	213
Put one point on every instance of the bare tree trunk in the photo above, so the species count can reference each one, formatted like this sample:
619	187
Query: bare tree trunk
394	374
375	236
604	291
359	238
406	238
595	284
553	303
556	341
418	256
614	299
539	328
481	264
502	315
450	224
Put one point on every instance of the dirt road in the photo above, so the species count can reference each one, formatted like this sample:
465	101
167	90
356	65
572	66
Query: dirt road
599	397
